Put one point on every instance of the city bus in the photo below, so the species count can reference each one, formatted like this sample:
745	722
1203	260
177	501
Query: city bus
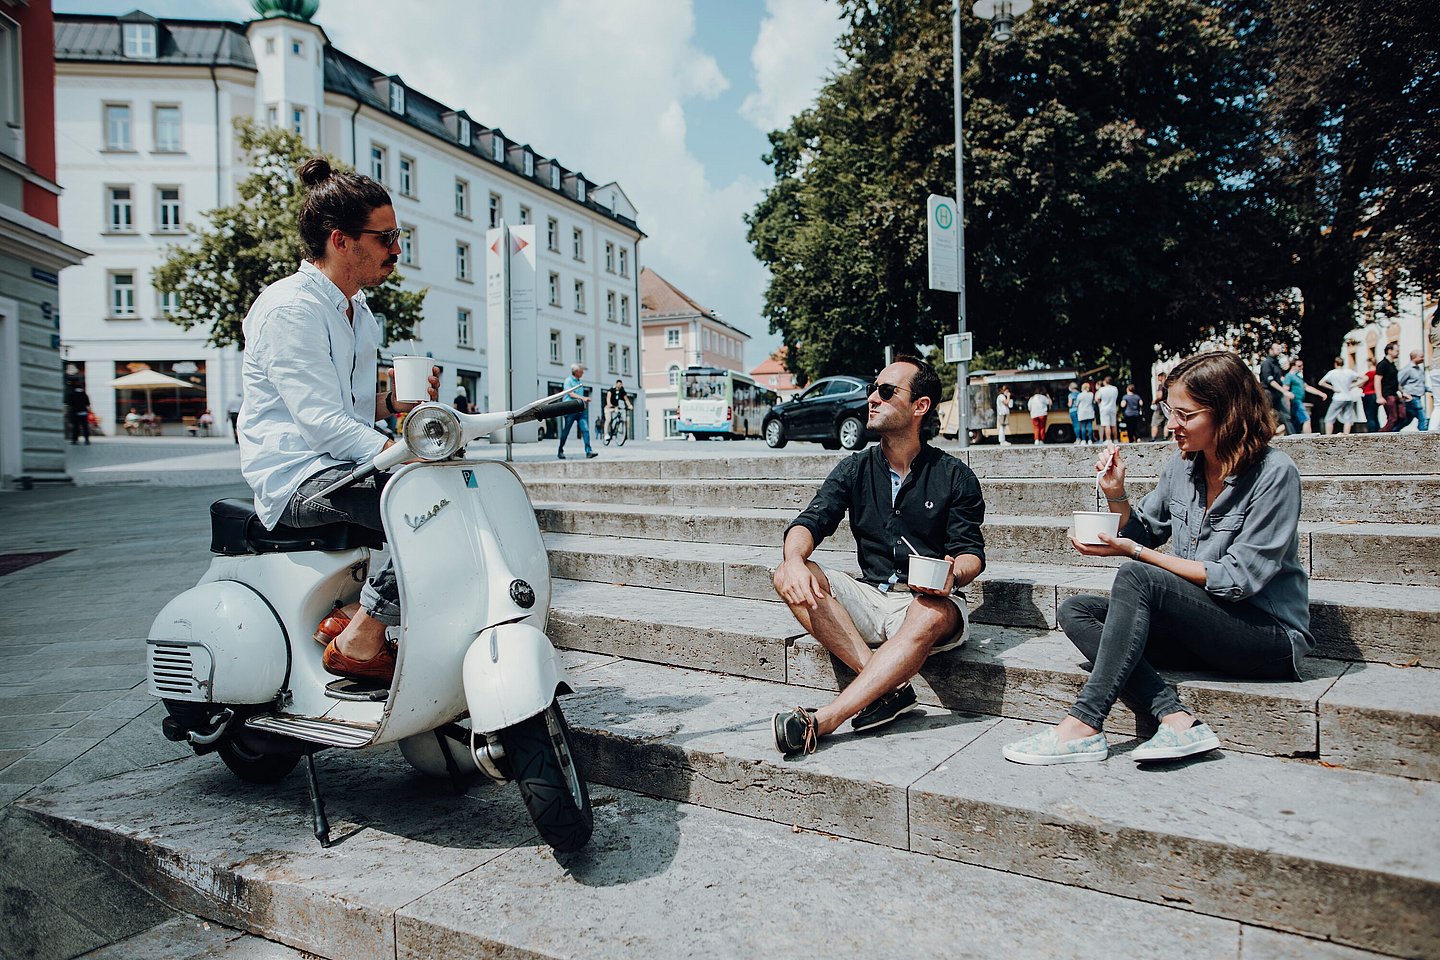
716	403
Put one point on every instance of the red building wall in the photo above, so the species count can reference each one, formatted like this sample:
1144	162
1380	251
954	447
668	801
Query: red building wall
37	65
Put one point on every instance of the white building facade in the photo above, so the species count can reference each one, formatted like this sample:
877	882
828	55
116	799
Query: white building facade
144	114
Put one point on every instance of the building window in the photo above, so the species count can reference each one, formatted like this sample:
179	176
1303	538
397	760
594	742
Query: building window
554	289
462	198
167	129
169	303
272	116
269	44
496	210
610	366
609	257
672	423
407	176
121	214
297	121
554	346
579	296
554	177
377	163
625	361
167	212
552	234
624	262
580	189
462	261
497	148
610	305
297	48
673	374
407	245
140	41
122	294
528	164
577	241
625	311
463	132
462	328
579	349
672	337
397	98
524	215
117	126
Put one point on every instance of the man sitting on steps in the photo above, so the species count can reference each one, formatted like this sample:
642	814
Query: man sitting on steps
880	626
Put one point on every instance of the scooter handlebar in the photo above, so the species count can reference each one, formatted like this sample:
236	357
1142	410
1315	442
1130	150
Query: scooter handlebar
549	409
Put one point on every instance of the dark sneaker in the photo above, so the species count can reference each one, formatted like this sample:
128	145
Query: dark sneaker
887	708
795	731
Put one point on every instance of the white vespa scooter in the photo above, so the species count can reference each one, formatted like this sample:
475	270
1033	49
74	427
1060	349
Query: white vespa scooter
476	677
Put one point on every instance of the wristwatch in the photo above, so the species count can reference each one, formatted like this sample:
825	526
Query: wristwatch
1138	550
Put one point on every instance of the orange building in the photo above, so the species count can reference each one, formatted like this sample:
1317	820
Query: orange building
772	375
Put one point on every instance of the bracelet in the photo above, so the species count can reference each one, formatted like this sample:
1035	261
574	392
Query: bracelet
1120	499
390	404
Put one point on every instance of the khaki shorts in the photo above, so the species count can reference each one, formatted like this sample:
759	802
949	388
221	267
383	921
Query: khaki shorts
878	614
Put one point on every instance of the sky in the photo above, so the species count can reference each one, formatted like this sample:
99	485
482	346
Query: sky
670	98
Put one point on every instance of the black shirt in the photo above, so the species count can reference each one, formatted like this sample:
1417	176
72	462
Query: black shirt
1270	371
77	400
1389	377
939	509
616	397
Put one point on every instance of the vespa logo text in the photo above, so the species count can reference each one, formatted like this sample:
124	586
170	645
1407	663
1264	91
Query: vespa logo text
417	522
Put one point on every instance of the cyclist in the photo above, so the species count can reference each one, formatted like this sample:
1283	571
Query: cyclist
615	399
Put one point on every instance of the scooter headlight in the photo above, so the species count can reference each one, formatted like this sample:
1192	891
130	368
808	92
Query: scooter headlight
432	431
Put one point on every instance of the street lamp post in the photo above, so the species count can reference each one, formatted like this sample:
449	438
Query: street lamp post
1002	14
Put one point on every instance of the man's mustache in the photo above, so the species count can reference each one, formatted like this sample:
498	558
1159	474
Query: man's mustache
391	261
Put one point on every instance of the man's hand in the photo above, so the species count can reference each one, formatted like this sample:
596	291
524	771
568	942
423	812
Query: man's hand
795	582
434	390
1112	547
945	590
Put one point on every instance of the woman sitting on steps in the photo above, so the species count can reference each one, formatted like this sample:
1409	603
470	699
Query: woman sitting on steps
1231	597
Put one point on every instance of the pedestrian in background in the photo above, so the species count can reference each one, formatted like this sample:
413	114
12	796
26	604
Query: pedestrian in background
575	387
1272	378
1085	413
1003	406
1157	419
1412	391
1295	383
1389	391
1070	399
1344	386
462	401
1107	398
77	407
1132	408
232	410
1369	401
1039	413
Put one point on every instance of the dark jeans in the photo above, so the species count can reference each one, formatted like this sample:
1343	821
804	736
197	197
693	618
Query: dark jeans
1372	412
80	427
1135	428
1281	406
235	426
358	504
1155	618
582	418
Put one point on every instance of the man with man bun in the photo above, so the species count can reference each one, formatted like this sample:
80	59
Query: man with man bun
310	405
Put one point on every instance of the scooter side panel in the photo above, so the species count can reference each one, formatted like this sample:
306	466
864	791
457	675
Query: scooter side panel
461	533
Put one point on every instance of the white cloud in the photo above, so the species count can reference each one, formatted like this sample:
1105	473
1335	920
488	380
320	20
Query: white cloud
602	87
793	55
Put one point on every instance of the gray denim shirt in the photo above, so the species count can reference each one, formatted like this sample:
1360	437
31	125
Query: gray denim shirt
1248	540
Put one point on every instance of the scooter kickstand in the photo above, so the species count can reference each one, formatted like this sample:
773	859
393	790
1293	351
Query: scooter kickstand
317	805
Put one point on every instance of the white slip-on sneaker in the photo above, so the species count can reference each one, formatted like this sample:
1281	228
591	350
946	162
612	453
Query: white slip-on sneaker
1043	748
1168	744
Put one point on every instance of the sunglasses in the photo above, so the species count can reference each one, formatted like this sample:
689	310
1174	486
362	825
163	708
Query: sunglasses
886	390
387	237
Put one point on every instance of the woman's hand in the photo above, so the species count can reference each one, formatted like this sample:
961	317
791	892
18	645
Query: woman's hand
1110	472
1112	547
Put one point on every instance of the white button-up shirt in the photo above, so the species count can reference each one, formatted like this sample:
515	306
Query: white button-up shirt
309	378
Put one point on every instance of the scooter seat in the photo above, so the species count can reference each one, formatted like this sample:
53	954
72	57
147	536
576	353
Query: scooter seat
235	530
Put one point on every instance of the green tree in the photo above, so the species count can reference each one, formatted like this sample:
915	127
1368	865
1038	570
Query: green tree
256	241
1352	153
1106	208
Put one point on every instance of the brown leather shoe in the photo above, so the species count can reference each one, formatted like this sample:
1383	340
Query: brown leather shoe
331	627
379	667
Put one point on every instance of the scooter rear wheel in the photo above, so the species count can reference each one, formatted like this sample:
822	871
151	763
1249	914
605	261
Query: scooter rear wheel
550	782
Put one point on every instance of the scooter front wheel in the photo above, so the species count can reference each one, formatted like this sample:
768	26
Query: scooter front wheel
550	782
253	766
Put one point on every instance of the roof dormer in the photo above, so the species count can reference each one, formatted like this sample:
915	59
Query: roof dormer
494	144
141	35
552	173
520	157
461	127
577	187
391	89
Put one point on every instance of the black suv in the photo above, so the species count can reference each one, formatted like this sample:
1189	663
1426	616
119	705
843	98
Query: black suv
832	410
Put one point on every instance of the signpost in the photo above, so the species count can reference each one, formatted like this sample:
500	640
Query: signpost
945	246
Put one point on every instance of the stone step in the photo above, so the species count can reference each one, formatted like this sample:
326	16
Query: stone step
1323	498
421	873
1350	621
1343	855
1384	719
1399	454
1397	553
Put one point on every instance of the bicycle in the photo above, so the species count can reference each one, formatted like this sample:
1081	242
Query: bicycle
618	426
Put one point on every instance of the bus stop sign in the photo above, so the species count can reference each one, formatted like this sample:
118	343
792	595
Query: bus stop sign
959	347
942	236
